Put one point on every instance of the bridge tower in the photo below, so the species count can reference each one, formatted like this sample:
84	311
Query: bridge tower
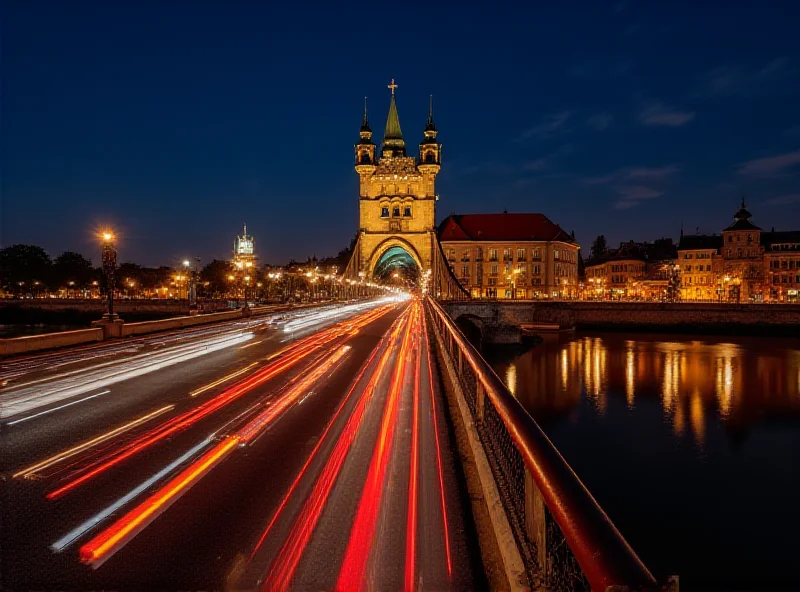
397	200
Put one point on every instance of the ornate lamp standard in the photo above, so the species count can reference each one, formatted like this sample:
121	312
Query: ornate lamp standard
109	268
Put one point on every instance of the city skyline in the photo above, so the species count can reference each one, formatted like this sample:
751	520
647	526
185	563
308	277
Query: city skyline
176	138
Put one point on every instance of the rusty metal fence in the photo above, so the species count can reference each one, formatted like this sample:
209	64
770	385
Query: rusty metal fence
566	540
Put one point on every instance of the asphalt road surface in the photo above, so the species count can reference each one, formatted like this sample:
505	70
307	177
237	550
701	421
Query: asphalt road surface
308	450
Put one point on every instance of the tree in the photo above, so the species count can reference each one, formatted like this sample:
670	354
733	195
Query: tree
71	267
599	247
24	266
214	278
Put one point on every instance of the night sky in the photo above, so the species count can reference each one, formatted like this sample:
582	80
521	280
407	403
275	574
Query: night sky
176	122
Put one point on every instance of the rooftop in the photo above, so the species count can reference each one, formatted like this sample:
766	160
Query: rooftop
501	227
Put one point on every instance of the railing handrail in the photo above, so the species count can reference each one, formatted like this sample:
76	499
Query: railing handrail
603	554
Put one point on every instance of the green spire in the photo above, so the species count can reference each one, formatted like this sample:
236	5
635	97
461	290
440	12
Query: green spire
393	136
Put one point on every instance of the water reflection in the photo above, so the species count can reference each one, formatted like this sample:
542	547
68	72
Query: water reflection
676	437
697	381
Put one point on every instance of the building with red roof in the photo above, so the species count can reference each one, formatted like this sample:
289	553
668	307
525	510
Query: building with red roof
506	255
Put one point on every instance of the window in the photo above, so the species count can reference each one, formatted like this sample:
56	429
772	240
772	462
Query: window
407	212
708	268
465	255
492	281
506	254
493	270
522	268
536	270
738	253
492	254
479	254
730	252
536	253
520	254
537	281
385	212
451	254
396	211
465	271
730	238
556	254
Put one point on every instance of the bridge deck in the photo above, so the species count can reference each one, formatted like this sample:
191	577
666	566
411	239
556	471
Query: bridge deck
313	454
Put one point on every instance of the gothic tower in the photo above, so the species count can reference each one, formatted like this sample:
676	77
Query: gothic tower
397	196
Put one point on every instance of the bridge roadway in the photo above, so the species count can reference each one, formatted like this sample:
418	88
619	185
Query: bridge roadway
308	451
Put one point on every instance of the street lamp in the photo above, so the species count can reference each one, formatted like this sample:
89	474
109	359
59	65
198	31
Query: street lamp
109	268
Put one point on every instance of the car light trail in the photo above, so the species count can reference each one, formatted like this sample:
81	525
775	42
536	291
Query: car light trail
61	456
16	421
411	524
86	526
222	380
285	563
438	450
30	398
359	545
289	398
321	440
251	344
189	418
100	548
108	542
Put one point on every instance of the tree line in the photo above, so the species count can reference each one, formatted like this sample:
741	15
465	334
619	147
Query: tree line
29	270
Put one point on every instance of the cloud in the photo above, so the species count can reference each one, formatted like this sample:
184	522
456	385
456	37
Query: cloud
745	79
633	196
656	113
547	126
539	164
771	165
492	168
639	192
600	121
634	174
653	172
602	180
784	199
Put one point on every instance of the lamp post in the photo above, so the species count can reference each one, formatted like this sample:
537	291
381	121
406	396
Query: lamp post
109	268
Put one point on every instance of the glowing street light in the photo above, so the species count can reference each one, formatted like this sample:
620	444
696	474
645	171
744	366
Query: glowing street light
109	268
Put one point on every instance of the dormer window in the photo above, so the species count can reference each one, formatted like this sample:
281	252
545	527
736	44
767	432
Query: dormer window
385	212
396	211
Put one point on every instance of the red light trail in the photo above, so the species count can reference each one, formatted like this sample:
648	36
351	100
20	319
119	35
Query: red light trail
352	572
411	525
293	354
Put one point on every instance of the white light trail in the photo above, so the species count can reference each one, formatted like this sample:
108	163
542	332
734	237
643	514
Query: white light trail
46	411
86	526
61	388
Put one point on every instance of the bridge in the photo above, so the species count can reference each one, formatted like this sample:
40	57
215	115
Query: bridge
345	446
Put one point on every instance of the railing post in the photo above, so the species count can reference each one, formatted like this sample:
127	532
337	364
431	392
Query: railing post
480	401
536	525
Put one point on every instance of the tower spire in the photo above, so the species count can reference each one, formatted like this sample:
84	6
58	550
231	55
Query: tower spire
430	126
365	123
393	141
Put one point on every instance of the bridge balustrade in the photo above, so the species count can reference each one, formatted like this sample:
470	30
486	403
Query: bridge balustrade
567	542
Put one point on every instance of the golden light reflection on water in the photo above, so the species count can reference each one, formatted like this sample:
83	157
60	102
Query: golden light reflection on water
696	382
511	378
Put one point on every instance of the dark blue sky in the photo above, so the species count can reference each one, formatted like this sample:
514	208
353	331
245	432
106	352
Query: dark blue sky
178	121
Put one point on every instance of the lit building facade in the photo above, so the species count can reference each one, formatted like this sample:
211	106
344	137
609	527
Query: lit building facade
700	266
742	260
634	270
522	256
781	266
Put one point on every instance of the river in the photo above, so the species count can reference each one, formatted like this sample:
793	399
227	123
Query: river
690	444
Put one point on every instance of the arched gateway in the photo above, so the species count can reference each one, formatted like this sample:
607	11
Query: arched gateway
397	207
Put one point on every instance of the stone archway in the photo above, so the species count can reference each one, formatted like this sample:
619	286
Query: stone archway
395	256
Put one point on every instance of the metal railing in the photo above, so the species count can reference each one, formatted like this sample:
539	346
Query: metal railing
566	540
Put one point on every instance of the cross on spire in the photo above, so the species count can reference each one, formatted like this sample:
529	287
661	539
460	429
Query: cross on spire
392	86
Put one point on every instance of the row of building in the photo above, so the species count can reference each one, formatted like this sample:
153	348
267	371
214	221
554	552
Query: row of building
527	256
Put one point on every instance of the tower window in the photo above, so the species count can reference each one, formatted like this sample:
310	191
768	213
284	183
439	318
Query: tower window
365	157
396	211
407	212
385	212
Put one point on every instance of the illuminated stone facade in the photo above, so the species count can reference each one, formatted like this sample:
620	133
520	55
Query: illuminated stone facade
522	256
397	193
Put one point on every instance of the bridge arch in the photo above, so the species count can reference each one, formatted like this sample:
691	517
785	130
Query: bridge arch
472	326
395	254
